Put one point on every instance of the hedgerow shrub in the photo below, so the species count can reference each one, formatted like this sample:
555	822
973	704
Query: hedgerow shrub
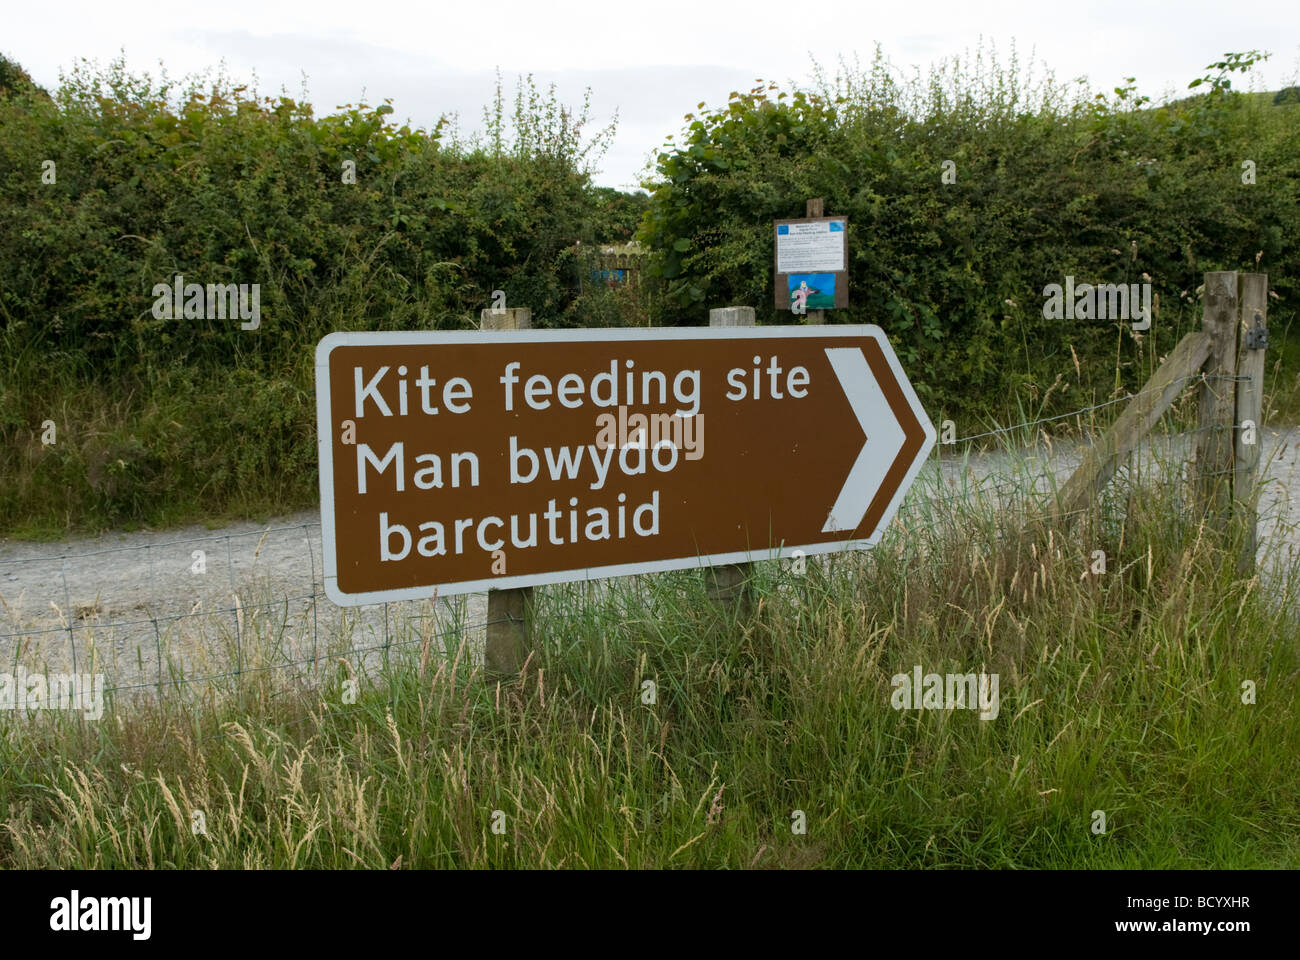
150	179
1049	181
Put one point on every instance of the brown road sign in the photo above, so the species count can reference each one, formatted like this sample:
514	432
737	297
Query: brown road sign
465	461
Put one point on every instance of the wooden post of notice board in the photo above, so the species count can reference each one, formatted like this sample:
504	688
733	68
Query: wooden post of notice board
813	208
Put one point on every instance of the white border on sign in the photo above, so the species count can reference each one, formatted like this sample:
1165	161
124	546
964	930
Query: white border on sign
325	450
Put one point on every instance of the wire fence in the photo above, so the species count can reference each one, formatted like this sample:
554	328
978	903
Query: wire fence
1198	377
269	615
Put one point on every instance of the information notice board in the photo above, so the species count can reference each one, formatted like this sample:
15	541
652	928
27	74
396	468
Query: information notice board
811	263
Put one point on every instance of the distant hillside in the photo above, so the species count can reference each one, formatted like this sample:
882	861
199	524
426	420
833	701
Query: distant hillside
1284	97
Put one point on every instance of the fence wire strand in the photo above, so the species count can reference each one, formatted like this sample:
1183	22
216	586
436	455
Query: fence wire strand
1204	378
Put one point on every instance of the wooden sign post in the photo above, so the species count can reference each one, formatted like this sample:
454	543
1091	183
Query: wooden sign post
509	639
731	584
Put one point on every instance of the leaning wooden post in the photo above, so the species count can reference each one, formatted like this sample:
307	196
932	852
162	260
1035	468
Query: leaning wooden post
729	583
510	612
1217	401
813	208
1114	446
1251	345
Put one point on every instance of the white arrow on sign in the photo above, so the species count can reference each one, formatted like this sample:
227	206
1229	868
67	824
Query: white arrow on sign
885	438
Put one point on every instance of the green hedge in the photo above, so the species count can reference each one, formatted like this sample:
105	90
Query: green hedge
165	418
1047	183
223	188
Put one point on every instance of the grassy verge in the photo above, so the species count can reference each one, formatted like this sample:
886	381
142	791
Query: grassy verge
176	448
1120	692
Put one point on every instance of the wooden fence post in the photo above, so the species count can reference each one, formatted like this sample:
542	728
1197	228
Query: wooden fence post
729	584
1253	340
813	208
510	612
1217	406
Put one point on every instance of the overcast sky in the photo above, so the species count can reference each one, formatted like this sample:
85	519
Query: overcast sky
650	62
